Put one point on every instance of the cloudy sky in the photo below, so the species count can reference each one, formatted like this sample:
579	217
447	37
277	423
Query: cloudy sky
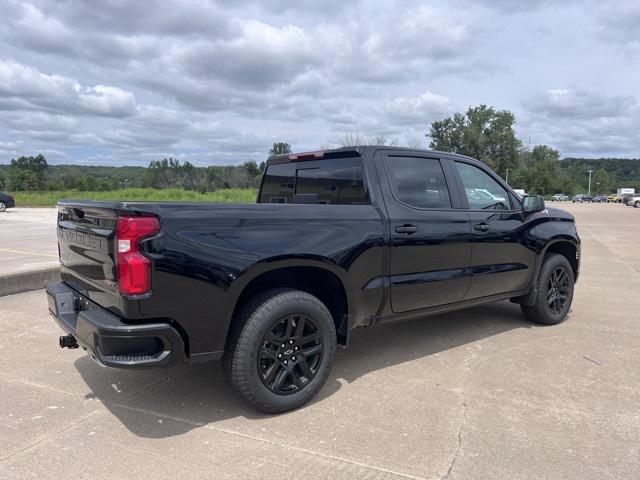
216	82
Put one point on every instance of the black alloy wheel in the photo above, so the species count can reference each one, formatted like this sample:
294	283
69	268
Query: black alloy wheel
558	290
553	291
290	354
280	349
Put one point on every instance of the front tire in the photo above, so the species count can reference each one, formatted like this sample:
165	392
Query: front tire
554	288
3	207
280	350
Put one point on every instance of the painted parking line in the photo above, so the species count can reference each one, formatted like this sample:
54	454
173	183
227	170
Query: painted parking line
28	252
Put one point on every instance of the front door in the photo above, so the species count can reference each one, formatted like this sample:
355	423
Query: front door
430	239
502	260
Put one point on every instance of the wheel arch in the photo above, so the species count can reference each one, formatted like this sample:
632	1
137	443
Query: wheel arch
567	246
316	277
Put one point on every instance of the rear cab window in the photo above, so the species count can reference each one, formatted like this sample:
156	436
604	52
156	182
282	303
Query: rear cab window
332	181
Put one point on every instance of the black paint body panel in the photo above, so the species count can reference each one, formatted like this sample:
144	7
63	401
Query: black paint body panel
206	254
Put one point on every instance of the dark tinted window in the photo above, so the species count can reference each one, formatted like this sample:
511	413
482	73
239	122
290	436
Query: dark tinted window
277	186
337	181
419	182
483	192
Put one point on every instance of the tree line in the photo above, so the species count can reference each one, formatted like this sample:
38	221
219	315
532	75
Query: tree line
481	132
32	173
488	134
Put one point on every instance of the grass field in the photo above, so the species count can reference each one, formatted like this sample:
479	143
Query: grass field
46	199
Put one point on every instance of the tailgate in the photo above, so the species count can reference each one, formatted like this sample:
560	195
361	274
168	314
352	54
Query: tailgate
86	239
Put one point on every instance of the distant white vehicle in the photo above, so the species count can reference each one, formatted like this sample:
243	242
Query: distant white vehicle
487	194
626	191
635	200
560	197
520	191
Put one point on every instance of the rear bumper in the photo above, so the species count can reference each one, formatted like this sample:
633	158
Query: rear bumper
109	340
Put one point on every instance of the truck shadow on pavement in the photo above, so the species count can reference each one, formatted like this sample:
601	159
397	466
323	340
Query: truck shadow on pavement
165	403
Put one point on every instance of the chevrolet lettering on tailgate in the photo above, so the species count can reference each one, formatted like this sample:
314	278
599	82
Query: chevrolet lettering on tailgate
83	239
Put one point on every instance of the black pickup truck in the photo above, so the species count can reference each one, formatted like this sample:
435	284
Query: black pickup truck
338	239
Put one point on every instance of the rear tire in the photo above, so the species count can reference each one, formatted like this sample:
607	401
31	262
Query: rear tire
554	295
280	349
3	207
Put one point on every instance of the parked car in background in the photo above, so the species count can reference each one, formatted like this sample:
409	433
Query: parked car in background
582	198
6	201
560	197
613	198
626	197
601	198
634	201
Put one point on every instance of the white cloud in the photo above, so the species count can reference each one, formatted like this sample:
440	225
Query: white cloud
618	24
107	101
578	103
218	81
585	122
25	88
421	109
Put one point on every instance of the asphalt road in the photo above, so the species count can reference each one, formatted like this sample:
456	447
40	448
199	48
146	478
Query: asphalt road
479	394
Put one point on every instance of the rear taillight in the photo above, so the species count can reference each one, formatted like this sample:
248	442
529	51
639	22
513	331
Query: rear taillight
134	269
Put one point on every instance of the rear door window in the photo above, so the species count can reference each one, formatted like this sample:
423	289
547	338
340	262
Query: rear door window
418	182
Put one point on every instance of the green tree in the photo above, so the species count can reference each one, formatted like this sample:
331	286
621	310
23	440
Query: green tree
37	164
602	181
22	180
170	173
27	173
252	168
540	172
481	132
280	148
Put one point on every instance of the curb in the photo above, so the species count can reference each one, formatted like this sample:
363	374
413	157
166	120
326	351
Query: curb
27	281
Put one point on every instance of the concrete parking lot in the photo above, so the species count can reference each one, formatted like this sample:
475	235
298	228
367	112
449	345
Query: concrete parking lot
27	240
479	394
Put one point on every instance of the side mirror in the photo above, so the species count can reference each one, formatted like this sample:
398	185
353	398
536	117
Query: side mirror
533	203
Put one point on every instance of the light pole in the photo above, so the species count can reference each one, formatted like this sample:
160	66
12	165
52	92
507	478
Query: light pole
589	192
506	180
597	188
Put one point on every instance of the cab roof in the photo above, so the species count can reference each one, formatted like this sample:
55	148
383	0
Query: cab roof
356	150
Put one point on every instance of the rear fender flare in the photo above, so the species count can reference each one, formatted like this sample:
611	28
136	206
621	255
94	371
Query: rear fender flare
267	265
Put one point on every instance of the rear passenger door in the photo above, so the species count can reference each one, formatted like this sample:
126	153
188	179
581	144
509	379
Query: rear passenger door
502	260
430	249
